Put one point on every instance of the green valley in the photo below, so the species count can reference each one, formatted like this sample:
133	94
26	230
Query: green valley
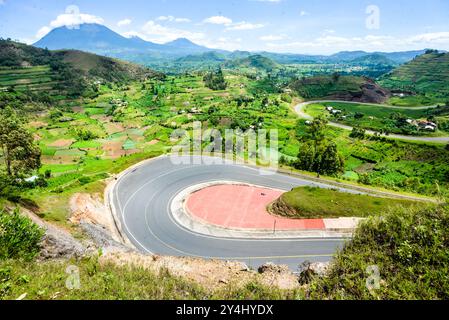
339	162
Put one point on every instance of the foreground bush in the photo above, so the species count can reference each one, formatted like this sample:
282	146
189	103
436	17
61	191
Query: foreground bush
410	248
19	236
92	280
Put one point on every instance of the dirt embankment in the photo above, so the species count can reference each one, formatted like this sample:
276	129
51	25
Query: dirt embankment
211	274
90	213
94	218
57	242
281	209
370	92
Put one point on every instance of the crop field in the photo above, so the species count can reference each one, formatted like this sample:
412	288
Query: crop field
39	78
88	140
376	117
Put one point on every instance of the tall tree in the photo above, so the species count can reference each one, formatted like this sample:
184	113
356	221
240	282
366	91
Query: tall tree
21	155
316	132
317	153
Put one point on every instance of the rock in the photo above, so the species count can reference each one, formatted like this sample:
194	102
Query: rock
57	244
271	267
320	268
102	237
244	267
309	270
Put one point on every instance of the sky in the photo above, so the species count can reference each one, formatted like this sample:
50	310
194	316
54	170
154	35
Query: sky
295	26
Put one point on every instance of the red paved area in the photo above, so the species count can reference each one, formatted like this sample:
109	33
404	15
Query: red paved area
242	207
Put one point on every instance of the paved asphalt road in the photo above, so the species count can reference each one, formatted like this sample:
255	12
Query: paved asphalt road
300	111
143	196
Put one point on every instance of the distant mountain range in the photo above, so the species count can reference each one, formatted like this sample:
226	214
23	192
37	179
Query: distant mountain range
99	39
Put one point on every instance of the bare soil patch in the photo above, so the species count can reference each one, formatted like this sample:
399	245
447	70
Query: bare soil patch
62	143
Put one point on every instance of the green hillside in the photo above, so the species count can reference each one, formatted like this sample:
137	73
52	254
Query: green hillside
338	87
28	70
254	62
426	75
107	69
373	59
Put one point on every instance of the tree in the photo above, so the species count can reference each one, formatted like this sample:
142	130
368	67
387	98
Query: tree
215	80
336	77
331	161
318	154
358	133
20	154
315	132
323	160
358	115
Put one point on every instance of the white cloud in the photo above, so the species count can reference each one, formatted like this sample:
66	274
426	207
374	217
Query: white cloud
2	2
328	31
303	13
72	18
272	37
172	19
244	26
435	37
225	43
328	43
218	20
42	32
155	32
124	22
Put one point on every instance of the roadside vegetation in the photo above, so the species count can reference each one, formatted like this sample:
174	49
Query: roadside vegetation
401	255
317	203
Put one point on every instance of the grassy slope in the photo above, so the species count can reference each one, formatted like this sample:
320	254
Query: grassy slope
106	68
47	281
409	248
426	75
28	69
314	203
255	61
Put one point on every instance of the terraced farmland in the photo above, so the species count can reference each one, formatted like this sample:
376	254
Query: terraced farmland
37	79
425	76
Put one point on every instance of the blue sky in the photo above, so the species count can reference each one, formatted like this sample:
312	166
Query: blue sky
299	26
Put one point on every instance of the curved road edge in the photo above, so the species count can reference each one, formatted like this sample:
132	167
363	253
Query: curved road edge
299	109
110	190
182	216
109	202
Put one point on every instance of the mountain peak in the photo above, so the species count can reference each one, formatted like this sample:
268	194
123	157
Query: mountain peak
182	43
100	39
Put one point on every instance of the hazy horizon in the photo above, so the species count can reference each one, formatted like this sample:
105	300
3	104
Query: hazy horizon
283	26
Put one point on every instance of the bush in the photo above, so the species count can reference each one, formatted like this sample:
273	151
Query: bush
358	133
19	236
408	246
84	180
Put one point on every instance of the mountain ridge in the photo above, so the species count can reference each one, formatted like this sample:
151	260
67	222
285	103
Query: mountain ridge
99	39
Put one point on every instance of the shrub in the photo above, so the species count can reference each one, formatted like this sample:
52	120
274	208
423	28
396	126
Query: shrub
84	180
408	246
19	236
358	133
